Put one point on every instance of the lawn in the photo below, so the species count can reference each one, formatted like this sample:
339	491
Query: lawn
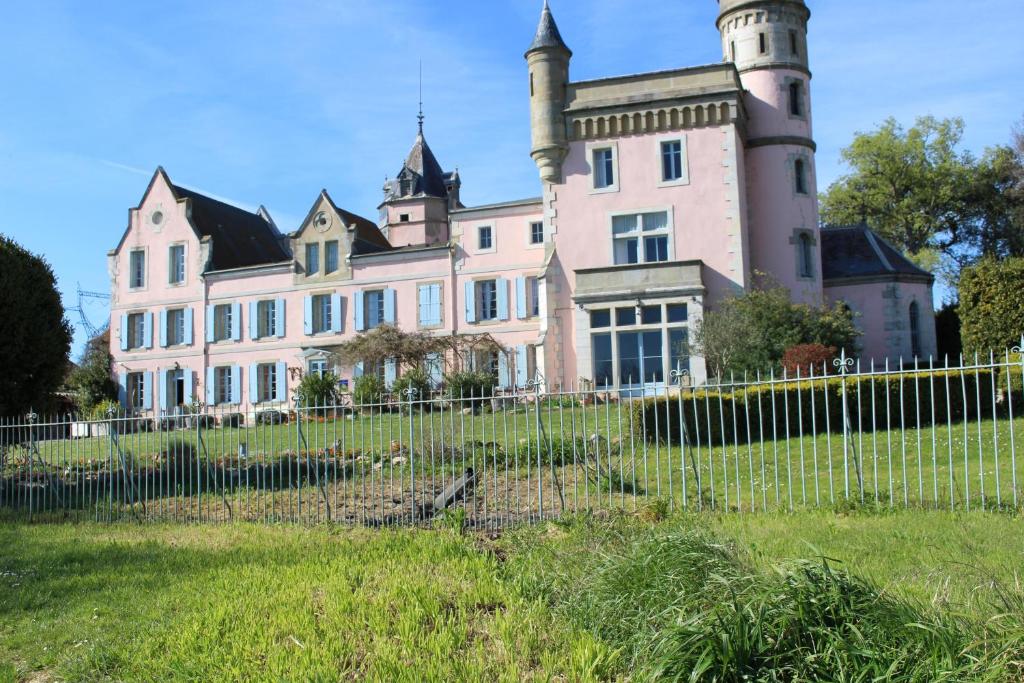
583	599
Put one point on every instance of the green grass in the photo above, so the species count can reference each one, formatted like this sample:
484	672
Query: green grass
920	595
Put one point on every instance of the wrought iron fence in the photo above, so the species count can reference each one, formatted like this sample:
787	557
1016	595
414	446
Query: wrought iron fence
913	436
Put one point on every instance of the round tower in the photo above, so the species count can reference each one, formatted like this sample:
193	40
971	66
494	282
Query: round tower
548	61
767	41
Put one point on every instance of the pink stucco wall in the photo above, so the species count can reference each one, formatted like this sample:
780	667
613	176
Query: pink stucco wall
882	311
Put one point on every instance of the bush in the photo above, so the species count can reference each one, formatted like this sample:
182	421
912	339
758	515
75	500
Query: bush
270	417
233	420
1011	380
716	418
368	391
807	359
470	389
413	379
104	409
991	305
319	391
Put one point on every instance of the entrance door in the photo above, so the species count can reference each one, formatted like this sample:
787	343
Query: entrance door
641	363
175	391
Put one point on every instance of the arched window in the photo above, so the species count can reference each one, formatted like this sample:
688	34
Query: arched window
915	329
800	173
806	255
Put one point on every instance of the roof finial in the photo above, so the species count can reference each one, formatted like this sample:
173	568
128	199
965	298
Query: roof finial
420	117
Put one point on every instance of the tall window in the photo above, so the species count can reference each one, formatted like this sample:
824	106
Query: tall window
318	367
136	387
137	269
266	319
373	308
604	168
641	238
800	176
806	255
762	40
429	305
671	160
321	313
915	329
312	260
533	296
732	51
643	347
487	300
266	382
222	385
222	322
176	264
485	237
136	330
331	257
796	105
794	44
537	232
175	327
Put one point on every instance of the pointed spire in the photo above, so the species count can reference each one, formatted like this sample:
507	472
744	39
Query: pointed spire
420	117
548	35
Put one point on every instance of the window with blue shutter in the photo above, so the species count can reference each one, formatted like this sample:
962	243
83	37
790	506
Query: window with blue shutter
147	334
337	318
254	327
503	374
163	329
522	366
429	305
389	306
390	372
161	398
189	337
358	317
147	391
189	389
281	383
211	386
125	332
470	302
254	384
307	315
236	322
211	312
501	287
521	298
279	318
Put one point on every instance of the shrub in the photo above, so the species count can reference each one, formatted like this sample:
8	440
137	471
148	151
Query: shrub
318	391
991	307
270	417
104	409
368	390
234	420
469	389
807	359
1011	380
413	379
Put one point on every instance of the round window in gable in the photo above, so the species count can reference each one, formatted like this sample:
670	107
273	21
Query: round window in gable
157	217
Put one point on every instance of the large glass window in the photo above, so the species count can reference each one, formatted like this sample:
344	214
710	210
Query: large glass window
679	351
604	368
639	346
641	238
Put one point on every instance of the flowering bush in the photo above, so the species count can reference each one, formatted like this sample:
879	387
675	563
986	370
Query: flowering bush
808	358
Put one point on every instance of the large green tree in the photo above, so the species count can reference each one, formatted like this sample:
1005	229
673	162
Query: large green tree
35	338
992	305
92	381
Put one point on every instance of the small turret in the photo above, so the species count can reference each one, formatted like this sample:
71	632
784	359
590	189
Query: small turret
548	61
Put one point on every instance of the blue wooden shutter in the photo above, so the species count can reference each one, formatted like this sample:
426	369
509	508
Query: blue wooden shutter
161	397
435	304
521	366
307	317
279	318
163	329
281	374
147	330
254	384
360	320
521	297
147	391
254	322
423	310
337	319
211	386
389	306
210	321
188	387
470	302
503	376
124	332
189	322
390	372
501	285
236	385
236	322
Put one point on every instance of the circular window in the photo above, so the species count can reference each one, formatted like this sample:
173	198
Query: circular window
157	218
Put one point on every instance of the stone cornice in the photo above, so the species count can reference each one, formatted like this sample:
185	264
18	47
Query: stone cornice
656	117
793	140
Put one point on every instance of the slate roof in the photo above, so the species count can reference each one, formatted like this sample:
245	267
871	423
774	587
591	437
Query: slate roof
367	238
427	177
856	251
240	239
548	35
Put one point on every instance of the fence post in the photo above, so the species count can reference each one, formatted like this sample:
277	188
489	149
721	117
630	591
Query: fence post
844	364
410	394
31	418
536	383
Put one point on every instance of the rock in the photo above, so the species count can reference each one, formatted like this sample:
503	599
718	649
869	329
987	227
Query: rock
399	460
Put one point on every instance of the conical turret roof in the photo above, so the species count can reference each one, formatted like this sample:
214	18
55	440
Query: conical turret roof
421	174
548	35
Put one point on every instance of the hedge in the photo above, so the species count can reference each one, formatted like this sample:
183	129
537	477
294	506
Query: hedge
722	417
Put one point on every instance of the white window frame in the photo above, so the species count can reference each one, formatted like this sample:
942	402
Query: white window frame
492	234
592	149
684	162
318	367
664	327
321	309
174	269
135	388
136	331
639	234
368	296
178	336
309	248
131	269
266	318
530	244
478	285
222	385
266	382
222	315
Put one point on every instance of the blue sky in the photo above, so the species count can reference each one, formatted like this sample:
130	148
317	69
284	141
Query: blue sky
266	102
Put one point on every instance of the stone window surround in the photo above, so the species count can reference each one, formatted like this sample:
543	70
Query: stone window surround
425	283
804	99
146	264
494	239
791	173
590	149
795	241
670	231
530	244
184	259
684	179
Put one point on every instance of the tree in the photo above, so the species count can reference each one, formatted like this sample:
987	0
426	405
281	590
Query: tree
913	186
92	381
991	306
752	331
412	349
35	339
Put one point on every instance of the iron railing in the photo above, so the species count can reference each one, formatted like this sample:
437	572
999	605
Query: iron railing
913	436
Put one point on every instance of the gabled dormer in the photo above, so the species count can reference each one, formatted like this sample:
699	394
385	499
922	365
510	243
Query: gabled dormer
327	236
